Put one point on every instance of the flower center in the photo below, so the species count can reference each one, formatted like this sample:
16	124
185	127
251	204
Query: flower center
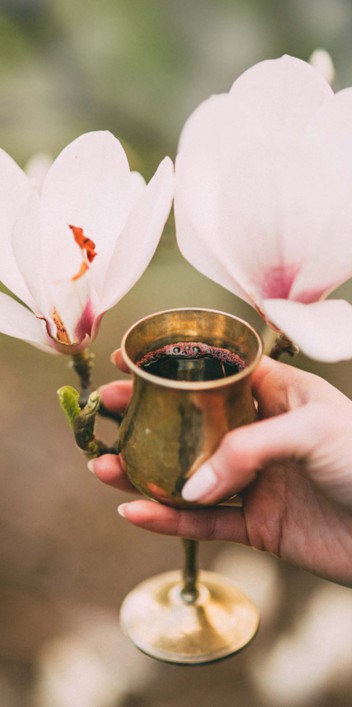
277	281
88	251
87	247
61	333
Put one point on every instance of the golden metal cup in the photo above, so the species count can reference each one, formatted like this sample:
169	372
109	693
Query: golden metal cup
170	428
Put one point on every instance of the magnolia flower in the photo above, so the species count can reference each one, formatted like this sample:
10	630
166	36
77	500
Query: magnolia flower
263	200
37	168
73	252
322	62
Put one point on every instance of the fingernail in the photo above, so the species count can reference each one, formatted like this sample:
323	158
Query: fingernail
113	357
121	509
199	485
90	466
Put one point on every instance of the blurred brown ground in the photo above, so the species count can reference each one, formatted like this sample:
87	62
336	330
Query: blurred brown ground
63	547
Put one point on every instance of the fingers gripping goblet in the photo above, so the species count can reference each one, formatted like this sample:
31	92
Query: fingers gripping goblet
192	370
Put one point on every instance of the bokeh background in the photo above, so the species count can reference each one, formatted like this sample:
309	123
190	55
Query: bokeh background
138	68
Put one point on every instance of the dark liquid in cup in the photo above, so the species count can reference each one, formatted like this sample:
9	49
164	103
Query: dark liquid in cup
191	361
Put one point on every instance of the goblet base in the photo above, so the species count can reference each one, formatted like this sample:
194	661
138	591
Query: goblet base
165	626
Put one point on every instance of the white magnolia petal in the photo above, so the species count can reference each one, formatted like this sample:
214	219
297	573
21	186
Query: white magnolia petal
328	259
286	211
98	276
139	239
330	134
323	330
265	214
205	162
137	181
198	227
321	60
19	322
37	169
66	299
329	256
282	93
243	209
88	186
332	122
26	245
15	189
228	196
213	125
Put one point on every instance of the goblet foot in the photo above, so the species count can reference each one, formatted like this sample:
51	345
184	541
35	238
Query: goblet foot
164	625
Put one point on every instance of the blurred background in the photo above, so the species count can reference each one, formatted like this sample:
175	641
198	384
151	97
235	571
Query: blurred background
66	560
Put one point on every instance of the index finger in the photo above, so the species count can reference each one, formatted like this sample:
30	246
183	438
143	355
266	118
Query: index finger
116	396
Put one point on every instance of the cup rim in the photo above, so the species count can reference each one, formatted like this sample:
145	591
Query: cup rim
191	385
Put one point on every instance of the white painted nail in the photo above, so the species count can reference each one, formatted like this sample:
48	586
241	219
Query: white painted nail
90	465
201	484
121	509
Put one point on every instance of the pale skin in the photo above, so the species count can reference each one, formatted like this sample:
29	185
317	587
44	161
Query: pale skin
293	468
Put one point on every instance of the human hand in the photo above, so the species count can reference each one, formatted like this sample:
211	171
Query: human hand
293	468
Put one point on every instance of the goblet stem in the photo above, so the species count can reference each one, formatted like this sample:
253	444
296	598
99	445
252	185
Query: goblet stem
189	592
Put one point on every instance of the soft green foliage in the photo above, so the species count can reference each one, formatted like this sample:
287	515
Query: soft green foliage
69	401
82	420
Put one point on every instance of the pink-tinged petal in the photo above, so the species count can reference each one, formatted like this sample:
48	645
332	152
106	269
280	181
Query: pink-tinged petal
86	322
301	224
243	207
236	197
89	187
328	260
263	197
19	322
323	330
96	326
137	242
59	299
282	94
15	189
247	206
74	302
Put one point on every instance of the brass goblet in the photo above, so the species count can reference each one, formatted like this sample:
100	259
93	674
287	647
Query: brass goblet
170	428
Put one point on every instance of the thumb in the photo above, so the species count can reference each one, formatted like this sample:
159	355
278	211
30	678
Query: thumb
244	451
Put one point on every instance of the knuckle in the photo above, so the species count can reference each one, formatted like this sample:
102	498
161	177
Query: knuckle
233	450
